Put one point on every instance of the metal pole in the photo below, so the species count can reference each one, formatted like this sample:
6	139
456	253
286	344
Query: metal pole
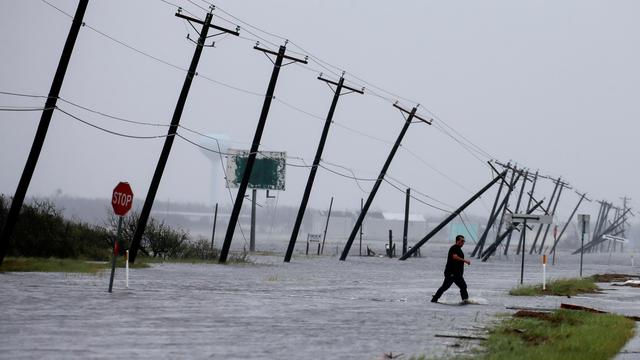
314	167
326	225
452	216
215	219
235	213
406	222
252	239
41	132
168	141
376	186
582	244
361	226
390	252
524	238
115	253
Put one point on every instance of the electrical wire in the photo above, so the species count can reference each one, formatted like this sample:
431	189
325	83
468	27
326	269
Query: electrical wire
110	131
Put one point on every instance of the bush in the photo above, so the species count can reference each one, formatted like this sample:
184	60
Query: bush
41	231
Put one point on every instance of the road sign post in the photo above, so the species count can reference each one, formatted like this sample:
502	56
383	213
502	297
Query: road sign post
526	218
121	201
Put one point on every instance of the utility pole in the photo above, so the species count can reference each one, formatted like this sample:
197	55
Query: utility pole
504	210
524	183
483	237
555	243
215	220
233	220
41	132
406	222
372	194
553	212
173	129
361	226
452	216
326	226
316	160
533	189
252	236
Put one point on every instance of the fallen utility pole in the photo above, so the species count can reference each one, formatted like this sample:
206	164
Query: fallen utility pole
41	132
235	213
316	160
376	186
173	129
453	215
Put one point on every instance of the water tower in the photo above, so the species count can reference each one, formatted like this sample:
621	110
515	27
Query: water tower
217	143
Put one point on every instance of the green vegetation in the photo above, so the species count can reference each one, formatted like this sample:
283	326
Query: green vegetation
563	334
43	233
23	264
560	287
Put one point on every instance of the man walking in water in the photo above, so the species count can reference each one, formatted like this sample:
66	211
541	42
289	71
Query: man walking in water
453	271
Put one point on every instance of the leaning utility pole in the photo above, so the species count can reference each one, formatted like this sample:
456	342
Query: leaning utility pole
453	215
555	243
41	132
483	237
233	220
316	160
524	183
546	211
173	129
553	212
533	189
372	194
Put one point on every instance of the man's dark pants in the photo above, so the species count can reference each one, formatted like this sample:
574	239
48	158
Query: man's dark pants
452	279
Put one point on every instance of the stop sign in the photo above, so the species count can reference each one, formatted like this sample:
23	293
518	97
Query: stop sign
122	198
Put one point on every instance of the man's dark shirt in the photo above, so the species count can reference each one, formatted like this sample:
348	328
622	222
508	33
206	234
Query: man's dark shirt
454	267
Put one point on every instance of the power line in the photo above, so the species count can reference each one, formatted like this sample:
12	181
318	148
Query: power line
107	130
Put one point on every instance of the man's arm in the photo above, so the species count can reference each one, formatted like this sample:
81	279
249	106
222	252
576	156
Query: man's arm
458	258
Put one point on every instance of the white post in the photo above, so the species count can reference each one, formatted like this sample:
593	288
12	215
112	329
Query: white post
126	263
544	272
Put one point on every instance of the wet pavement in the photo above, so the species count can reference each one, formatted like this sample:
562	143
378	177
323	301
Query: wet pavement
312	308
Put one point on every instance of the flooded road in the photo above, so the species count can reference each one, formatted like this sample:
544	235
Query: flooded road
312	308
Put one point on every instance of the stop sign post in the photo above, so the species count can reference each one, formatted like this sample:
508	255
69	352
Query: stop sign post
121	201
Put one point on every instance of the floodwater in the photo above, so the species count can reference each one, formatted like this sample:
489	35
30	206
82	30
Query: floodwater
315	307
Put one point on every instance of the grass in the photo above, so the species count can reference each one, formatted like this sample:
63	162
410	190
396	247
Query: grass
559	287
563	334
23	264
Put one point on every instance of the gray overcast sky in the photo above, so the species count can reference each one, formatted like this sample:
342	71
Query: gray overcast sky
552	85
